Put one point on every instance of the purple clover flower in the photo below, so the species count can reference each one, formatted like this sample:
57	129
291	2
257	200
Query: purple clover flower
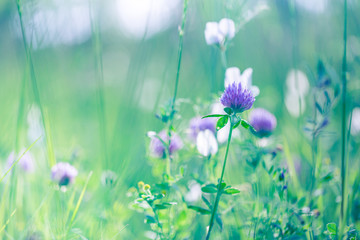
26	163
263	122
63	173
237	97
157	147
198	124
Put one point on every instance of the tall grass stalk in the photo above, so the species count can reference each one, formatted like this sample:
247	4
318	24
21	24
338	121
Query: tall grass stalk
8	221
78	203
219	188
95	31
344	163
180	50
19	125
30	67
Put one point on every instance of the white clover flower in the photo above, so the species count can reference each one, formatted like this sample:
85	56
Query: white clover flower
297	82
195	192
227	28
297	88
217	33
233	75
355	122
206	143
212	34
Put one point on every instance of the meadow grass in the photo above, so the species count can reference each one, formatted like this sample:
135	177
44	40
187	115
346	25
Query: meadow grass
118	133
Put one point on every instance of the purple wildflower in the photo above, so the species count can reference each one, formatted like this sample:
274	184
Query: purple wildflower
263	122
158	148
26	163
198	124
237	97
63	173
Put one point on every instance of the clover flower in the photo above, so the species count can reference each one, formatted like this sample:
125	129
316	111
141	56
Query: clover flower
194	193
233	74
198	124
217	33
63	173
26	162
263	122
237	97
157	147
206	143
297	88
355	122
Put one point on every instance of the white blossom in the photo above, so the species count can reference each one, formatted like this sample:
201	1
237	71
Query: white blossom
233	75
355	122
206	143
218	32
194	194
227	28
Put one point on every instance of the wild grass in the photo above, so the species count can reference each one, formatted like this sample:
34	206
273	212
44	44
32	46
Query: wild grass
105	100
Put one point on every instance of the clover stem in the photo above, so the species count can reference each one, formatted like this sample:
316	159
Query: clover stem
342	223
218	194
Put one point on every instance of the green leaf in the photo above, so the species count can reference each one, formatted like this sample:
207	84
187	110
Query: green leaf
222	186
231	191
331	227
245	124
219	221
329	176
164	205
209	188
200	210
214	115
161	206
182	171
236	124
158	196
228	110
149	219
222	122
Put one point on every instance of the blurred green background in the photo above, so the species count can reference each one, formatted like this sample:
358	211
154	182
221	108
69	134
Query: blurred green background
138	41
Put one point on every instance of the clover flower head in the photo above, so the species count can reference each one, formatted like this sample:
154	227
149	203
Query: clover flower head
237	97
63	173
218	32
157	147
263	122
233	74
198	124
26	163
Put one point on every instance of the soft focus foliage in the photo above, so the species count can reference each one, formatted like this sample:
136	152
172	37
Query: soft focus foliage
91	84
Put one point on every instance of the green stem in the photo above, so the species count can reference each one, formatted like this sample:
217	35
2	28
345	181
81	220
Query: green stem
218	194
30	66
313	157
343	130
181	35
224	59
180	48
